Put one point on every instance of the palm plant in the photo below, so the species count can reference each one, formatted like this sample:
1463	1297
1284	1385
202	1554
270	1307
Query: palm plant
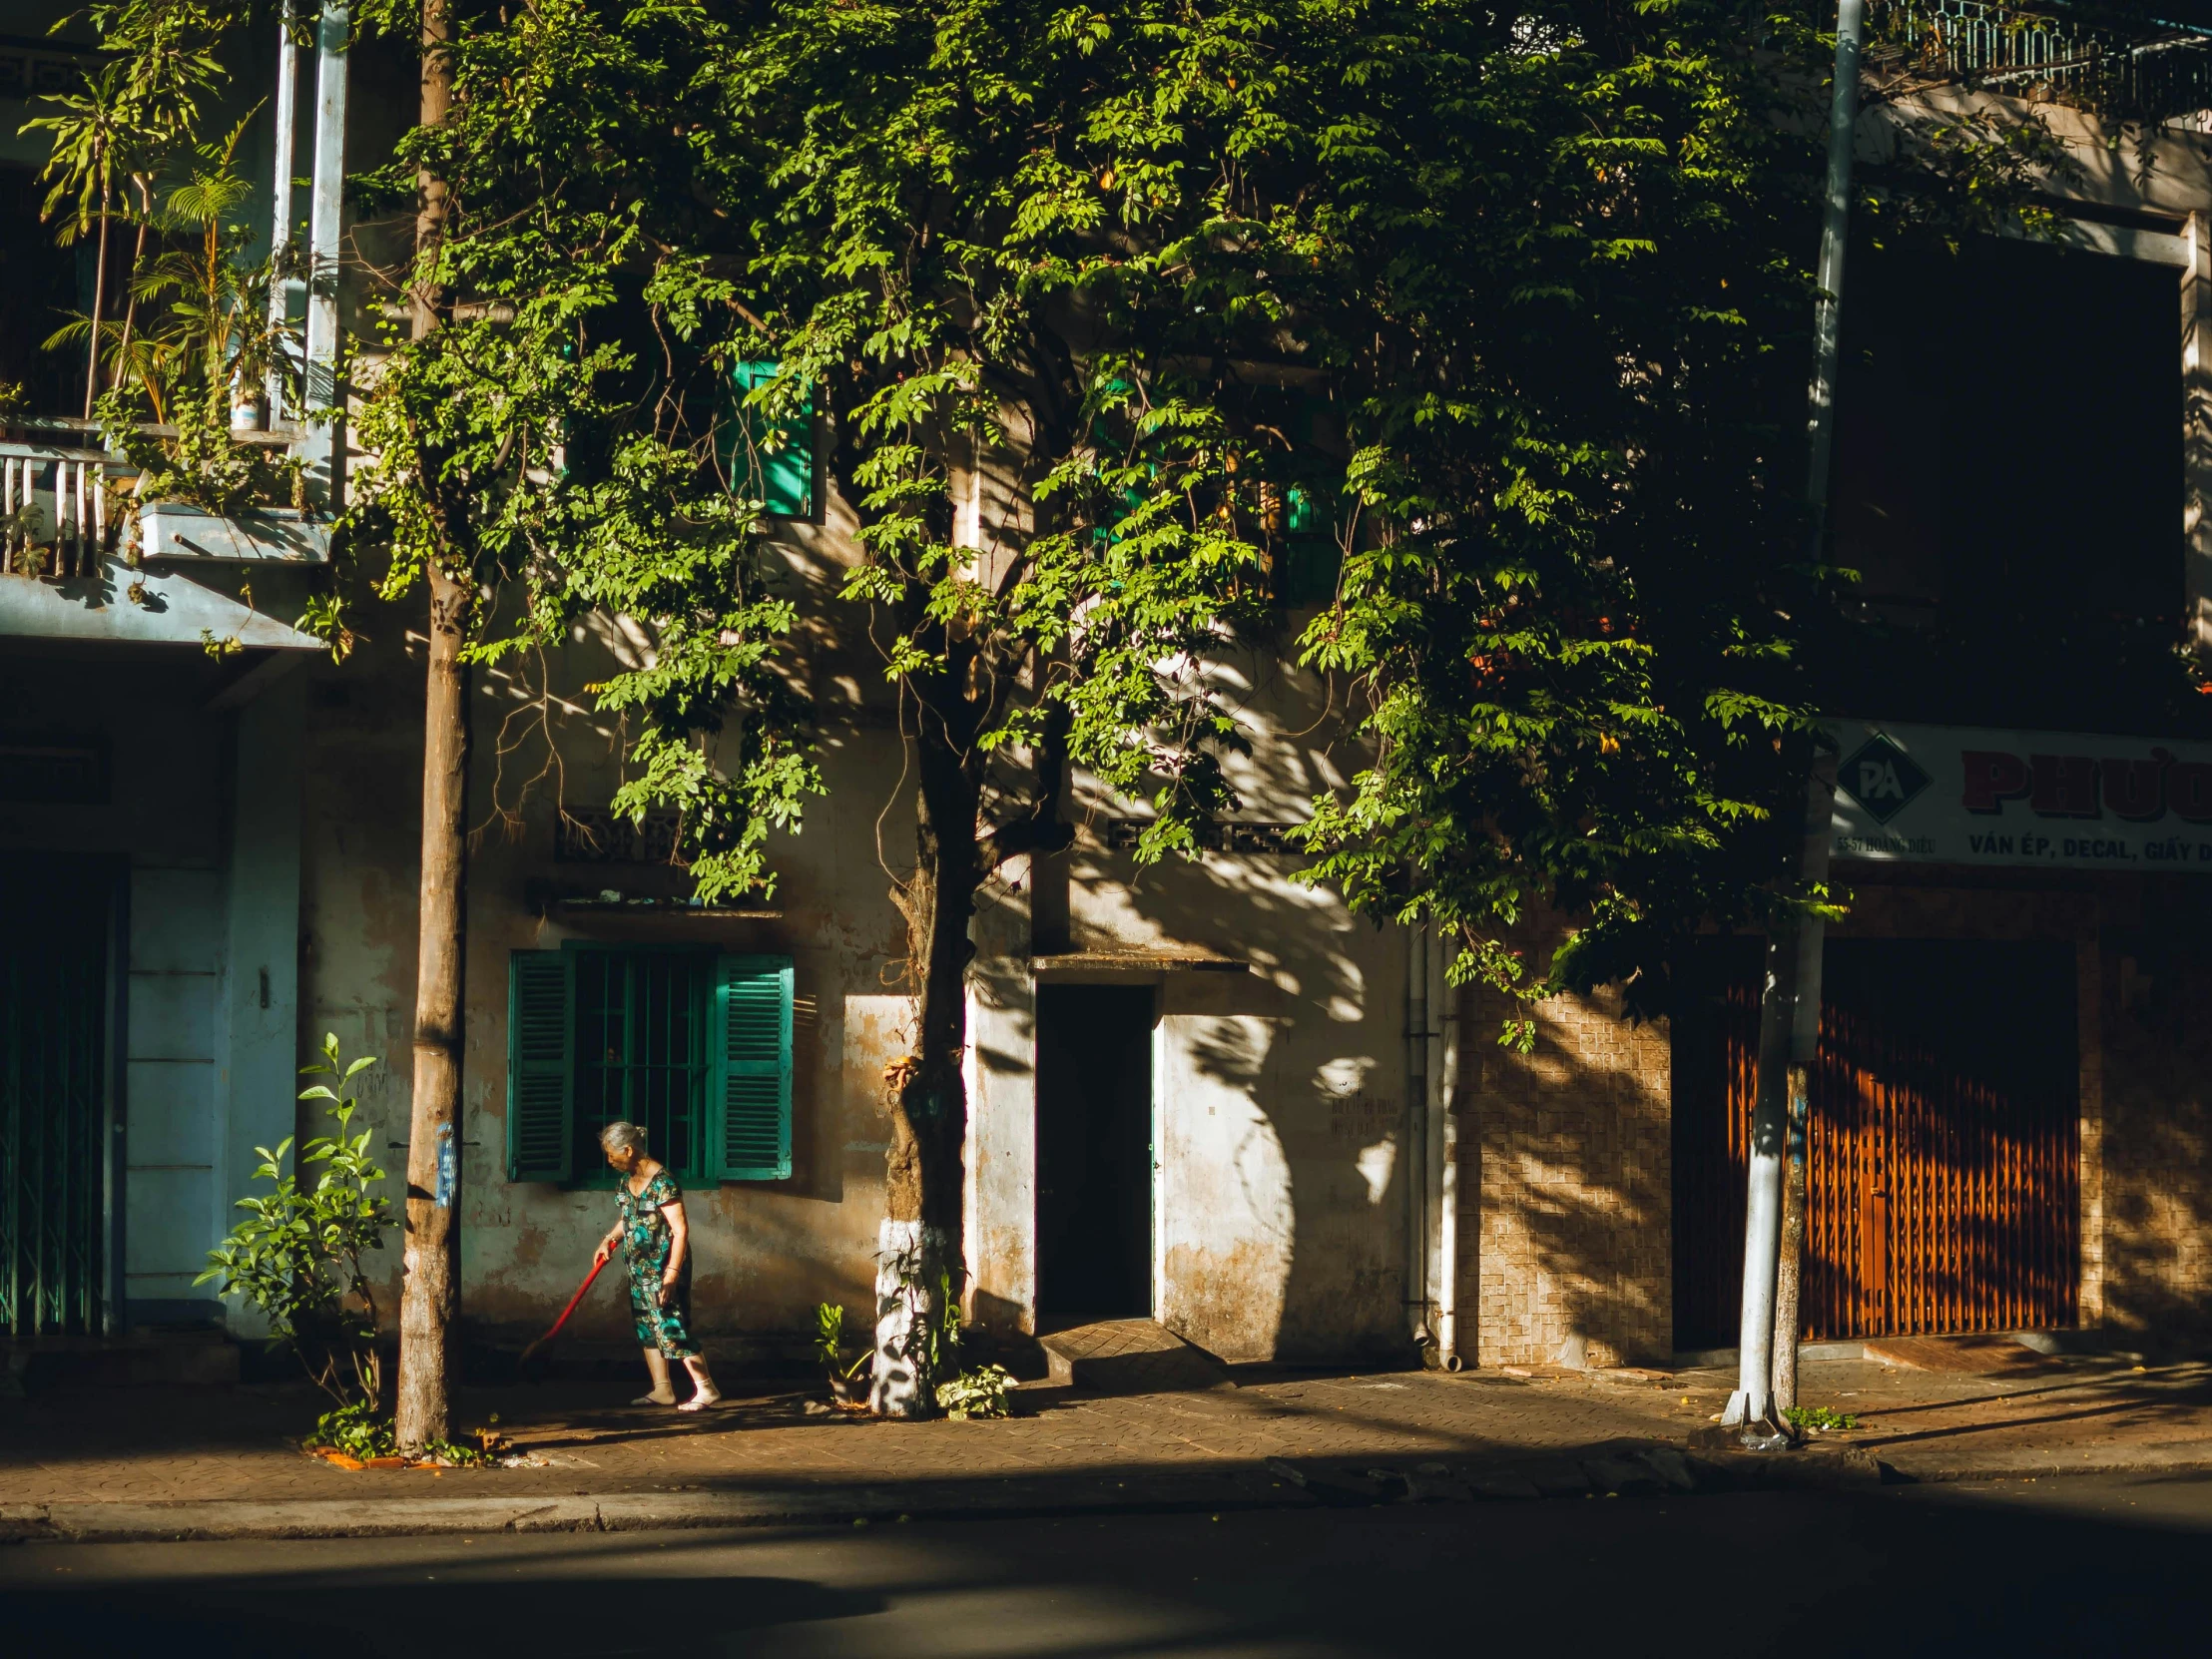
88	133
208	329
122	128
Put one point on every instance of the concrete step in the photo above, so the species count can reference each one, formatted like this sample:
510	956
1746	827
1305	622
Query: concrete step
1128	1356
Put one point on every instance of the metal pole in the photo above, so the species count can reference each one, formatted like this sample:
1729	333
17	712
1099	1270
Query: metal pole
1749	1406
1843	122
1789	1019
280	214
1413	1160
1445	1097
322	439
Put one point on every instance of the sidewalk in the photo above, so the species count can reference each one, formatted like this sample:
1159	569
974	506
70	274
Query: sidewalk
121	1463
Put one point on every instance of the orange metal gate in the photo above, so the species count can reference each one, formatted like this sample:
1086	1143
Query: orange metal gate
1944	1176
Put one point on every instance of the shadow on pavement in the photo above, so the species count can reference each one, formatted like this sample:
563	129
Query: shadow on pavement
2072	1567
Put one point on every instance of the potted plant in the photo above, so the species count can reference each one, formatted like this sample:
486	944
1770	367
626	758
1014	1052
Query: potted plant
842	1366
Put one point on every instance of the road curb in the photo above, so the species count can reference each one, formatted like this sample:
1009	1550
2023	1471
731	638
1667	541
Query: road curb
1626	1469
1938	1465
190	1520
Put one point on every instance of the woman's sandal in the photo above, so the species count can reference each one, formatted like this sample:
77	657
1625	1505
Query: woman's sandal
701	1401
653	1399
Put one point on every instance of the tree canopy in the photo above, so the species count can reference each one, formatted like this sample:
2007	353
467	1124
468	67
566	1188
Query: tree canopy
1507	309
1457	353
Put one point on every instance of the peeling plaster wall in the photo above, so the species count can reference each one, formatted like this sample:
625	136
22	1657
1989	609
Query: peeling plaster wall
1280	1084
767	1253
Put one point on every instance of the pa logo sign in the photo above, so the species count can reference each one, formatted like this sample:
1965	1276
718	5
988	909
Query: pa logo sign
1882	778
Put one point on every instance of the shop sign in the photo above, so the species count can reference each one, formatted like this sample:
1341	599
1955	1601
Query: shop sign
1958	795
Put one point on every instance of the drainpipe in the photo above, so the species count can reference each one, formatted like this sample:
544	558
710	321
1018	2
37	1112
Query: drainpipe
1789	1016
1430	1180
1444	1098
323	436
280	215
1414	1182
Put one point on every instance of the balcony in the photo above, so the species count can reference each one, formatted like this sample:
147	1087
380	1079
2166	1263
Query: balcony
2148	70
81	557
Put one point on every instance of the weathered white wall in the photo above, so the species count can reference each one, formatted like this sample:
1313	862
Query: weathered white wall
1280	1084
203	813
174	1133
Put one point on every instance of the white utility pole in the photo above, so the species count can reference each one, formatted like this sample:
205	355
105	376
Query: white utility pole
1790	1010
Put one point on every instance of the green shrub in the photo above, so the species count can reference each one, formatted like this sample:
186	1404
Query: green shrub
1814	1419
297	1256
980	1393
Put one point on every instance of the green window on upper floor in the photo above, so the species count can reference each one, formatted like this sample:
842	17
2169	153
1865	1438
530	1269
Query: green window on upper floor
769	459
695	1046
1311	556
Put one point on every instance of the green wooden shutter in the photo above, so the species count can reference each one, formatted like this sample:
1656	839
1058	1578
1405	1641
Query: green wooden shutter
1310	552
749	1079
541	1069
772	460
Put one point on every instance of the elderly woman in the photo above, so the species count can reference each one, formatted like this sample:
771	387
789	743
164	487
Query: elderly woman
654	1242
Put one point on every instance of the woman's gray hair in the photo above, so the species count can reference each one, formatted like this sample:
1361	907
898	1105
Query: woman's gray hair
623	1137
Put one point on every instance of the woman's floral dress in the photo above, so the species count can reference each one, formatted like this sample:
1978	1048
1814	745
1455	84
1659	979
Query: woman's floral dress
646	1241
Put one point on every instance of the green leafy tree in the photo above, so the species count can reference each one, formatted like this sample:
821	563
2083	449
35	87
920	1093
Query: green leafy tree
526	467
1514	306
299	1256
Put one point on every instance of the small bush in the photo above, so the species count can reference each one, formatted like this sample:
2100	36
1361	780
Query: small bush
356	1430
980	1393
299	1255
1810	1419
829	1343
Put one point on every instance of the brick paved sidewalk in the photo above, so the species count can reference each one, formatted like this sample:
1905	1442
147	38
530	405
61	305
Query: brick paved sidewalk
240	1443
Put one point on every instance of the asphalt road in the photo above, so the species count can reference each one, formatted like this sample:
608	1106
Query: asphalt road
2081	1566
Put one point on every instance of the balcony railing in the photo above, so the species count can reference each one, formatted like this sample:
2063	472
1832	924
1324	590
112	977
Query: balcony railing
66	503
54	518
2158	71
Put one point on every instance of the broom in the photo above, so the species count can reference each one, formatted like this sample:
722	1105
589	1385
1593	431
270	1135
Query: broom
554	1330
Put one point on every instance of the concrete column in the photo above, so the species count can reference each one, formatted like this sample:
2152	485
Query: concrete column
323	435
284	146
1002	1107
257	1052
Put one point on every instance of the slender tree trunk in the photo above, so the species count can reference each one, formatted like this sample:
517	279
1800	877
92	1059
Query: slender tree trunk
436	102
98	298
433	1142
432	1286
1788	1318
919	1264
130	290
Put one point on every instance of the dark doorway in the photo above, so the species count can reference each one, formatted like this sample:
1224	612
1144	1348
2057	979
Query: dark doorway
53	1123
1094	1150
1944	1181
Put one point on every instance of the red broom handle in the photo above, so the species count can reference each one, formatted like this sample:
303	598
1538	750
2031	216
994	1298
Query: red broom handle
555	1329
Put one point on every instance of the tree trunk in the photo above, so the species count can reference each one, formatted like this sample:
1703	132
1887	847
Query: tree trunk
427	299
1788	1319
130	292
919	1267
432	1284
98	298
